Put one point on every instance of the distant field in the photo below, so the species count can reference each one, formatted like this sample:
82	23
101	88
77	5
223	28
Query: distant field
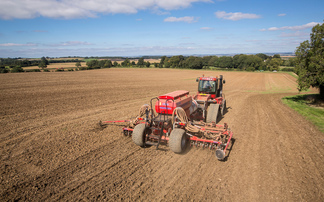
287	57
59	65
153	60
83	64
149	60
79	58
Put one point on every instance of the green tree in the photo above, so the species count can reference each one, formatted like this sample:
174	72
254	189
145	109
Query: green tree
93	64
167	63
198	63
163	58
102	63
108	64
42	65
248	62
291	62
224	62
274	64
43	59
310	61
125	63
3	70
193	63
141	62
115	64
212	61
147	64
175	61
206	59
78	64
262	56
239	61
17	69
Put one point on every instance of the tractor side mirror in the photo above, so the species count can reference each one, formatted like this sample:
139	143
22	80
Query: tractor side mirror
197	79
223	81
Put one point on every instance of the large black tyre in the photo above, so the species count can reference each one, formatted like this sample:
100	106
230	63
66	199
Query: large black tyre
212	113
223	110
139	134
178	140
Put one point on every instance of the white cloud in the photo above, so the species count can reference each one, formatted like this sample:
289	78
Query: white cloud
187	19
17	44
295	28
282	14
70	9
236	16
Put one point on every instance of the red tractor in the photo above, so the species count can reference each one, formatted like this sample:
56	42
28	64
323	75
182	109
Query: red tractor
179	120
172	121
210	98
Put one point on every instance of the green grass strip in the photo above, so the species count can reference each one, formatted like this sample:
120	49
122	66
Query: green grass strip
301	105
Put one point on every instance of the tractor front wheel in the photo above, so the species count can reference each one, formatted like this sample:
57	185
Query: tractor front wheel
178	140
139	134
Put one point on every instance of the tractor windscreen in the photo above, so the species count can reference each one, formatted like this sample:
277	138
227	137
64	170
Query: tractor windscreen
207	86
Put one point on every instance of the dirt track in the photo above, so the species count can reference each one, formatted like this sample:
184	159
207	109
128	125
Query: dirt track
50	149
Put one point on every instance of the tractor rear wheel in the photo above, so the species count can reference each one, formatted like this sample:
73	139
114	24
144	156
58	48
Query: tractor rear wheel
178	140
223	110
212	113
139	134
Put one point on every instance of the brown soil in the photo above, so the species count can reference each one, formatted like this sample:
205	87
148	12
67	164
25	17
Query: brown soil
50	149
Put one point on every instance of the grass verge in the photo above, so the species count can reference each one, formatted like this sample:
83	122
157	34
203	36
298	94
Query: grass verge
303	104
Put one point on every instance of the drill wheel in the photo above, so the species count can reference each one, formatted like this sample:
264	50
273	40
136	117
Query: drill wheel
220	154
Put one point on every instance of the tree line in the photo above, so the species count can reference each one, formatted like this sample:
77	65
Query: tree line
13	62
18	62
242	62
97	64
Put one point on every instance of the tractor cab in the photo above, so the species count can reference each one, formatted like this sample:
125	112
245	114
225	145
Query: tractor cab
207	85
211	85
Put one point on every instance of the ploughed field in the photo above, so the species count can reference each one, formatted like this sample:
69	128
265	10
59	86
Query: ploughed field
51	149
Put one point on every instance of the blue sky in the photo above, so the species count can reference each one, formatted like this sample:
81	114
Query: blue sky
57	28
